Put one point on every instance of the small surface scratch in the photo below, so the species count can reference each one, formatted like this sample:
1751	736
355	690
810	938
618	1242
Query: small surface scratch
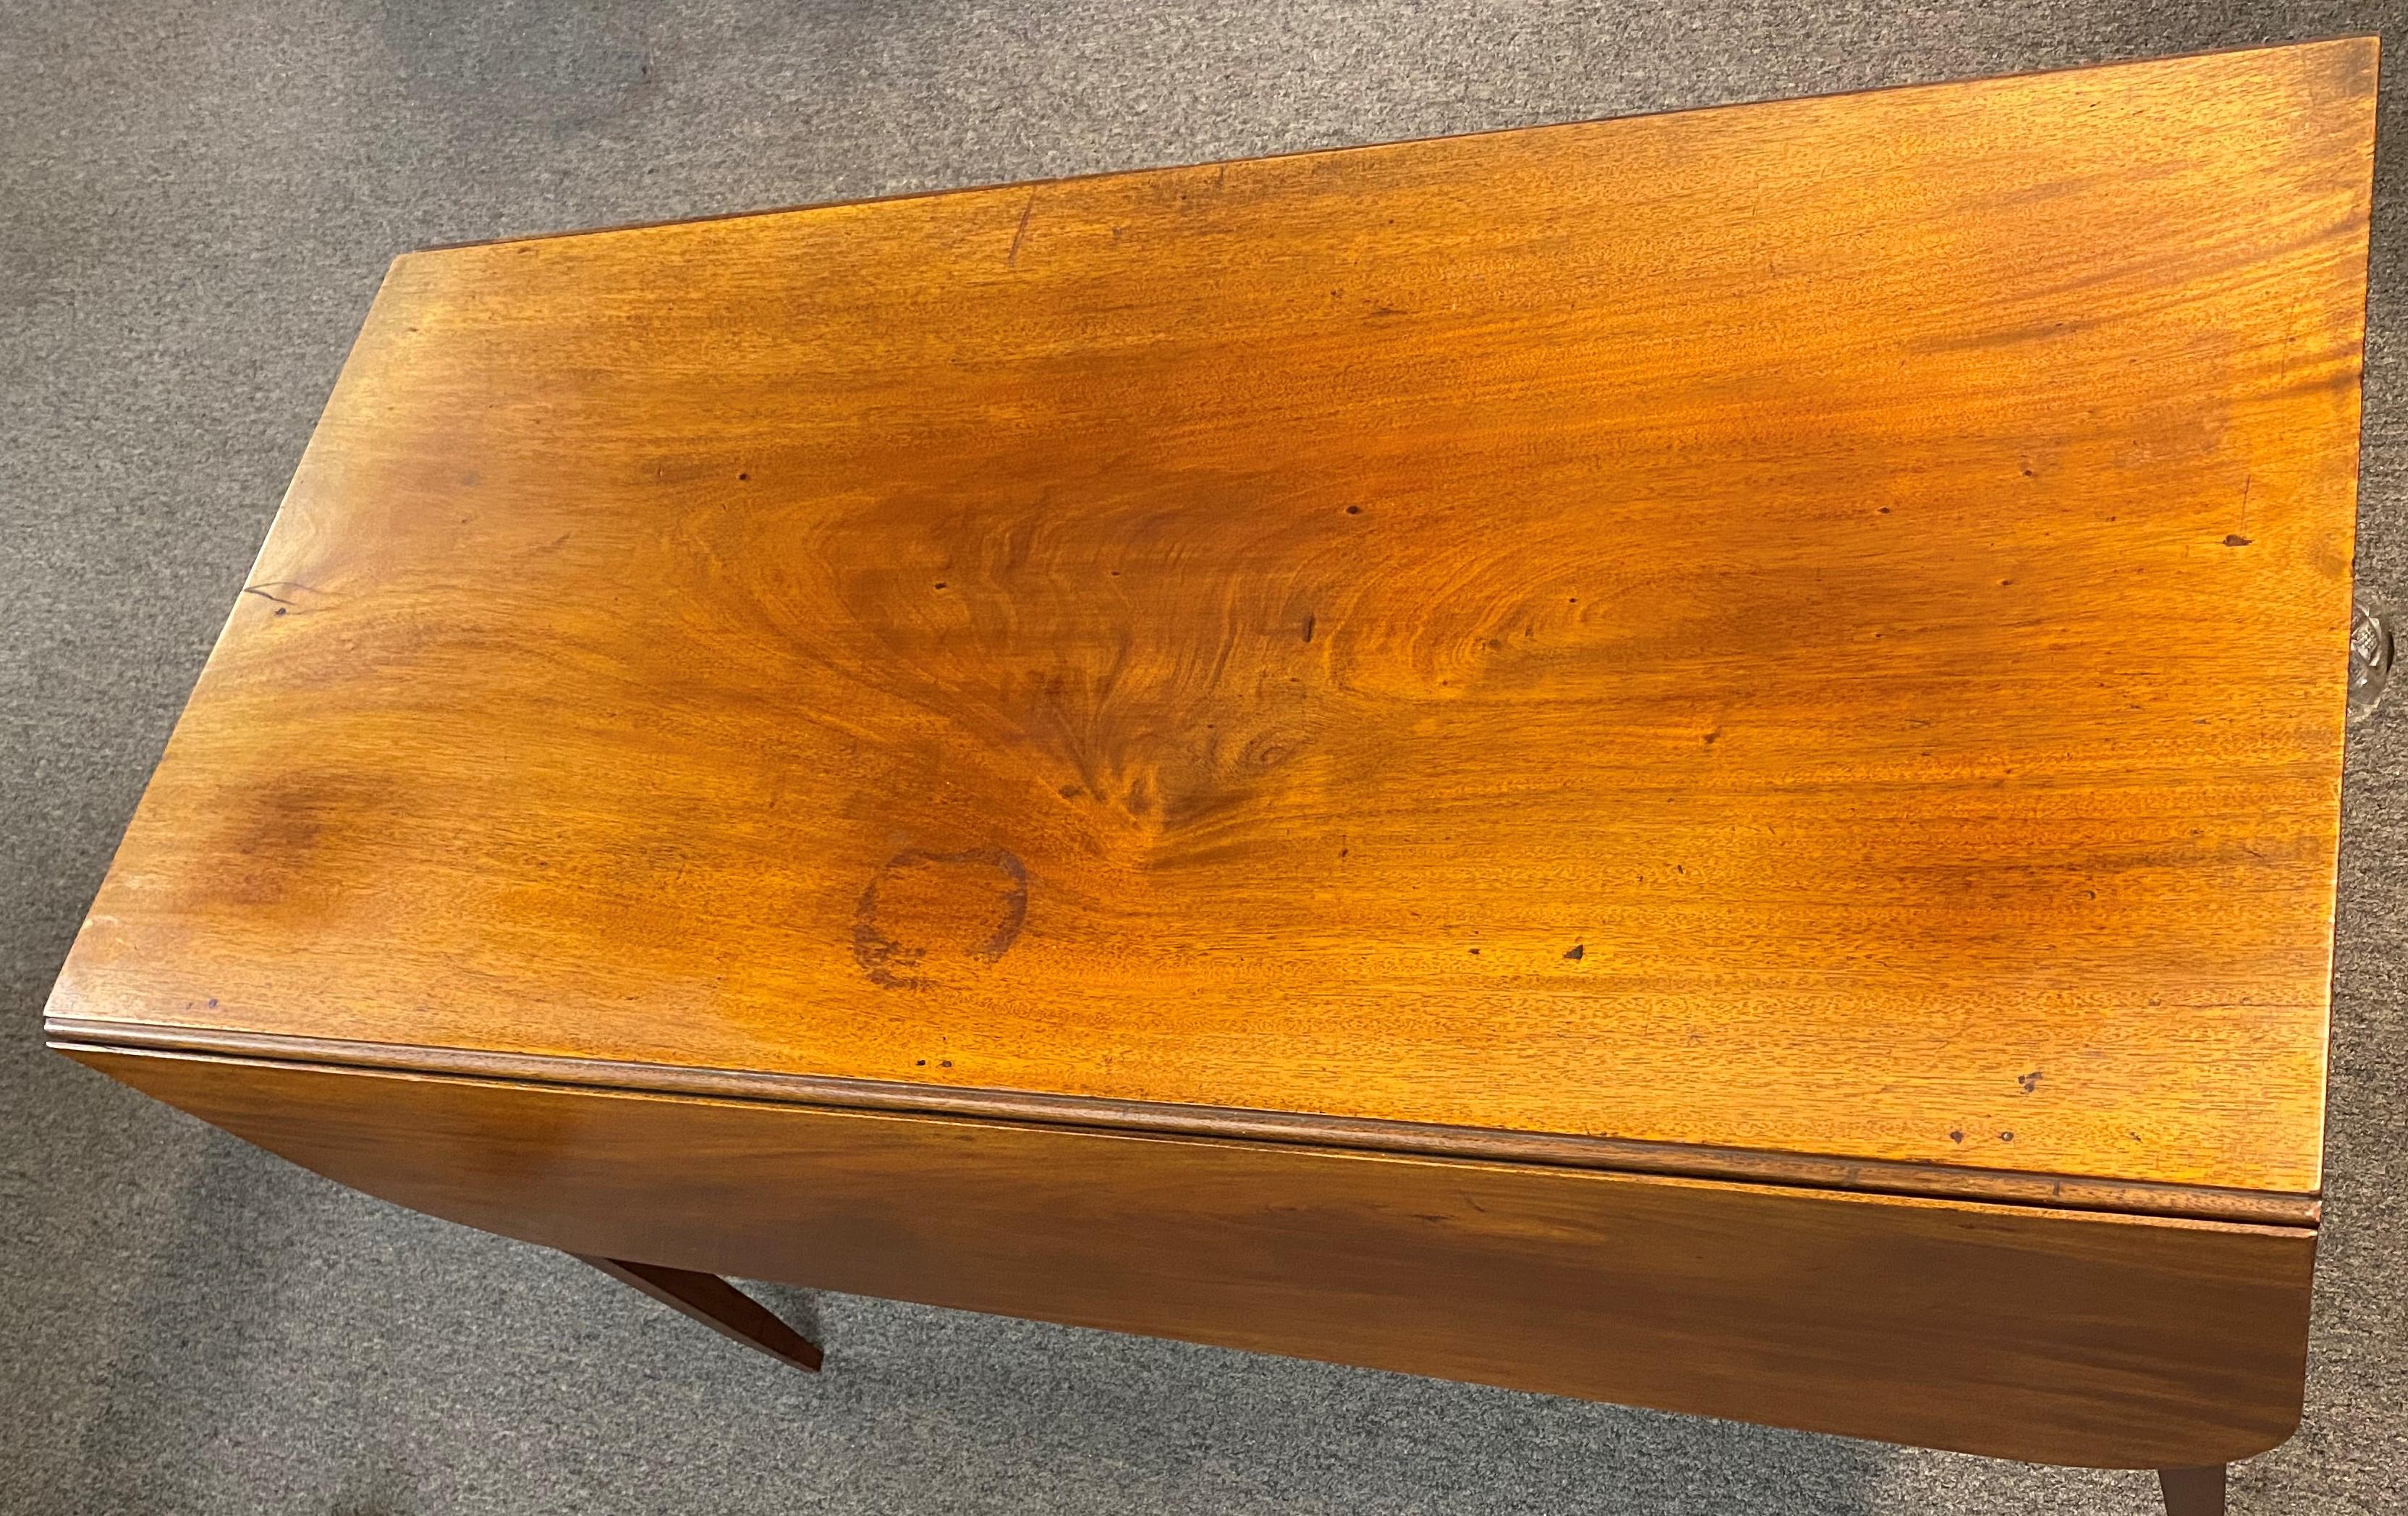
1020	233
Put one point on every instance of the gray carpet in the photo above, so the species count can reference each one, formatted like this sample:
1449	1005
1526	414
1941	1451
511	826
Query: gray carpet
196	204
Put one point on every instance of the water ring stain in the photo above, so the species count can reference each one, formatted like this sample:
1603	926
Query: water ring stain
923	912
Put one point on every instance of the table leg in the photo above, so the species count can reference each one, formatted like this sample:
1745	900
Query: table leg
716	1304
2193	1492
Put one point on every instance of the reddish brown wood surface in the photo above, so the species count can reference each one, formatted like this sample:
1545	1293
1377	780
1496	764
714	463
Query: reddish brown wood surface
1687	1161
2193	1492
2019	1331
1810	627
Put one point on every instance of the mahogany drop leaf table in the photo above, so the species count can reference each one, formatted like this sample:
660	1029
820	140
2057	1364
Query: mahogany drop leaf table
1691	761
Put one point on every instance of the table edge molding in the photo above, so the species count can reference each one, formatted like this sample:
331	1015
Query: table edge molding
1872	1175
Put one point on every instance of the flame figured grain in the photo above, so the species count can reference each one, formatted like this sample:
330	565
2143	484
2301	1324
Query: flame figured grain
1810	627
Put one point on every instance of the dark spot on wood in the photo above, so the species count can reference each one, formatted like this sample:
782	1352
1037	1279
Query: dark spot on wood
2006	1136
281	610
1713	738
940	585
946	1063
1354	510
213	1003
1308	628
1885	510
1071	791
1957	1137
1578	952
744	475
2030	1081
1475	953
2236	540
923	912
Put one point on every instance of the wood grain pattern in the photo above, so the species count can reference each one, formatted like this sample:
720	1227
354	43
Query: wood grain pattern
2019	1331
1812	628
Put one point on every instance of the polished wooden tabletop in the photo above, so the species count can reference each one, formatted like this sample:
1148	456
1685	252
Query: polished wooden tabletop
1810	628
1692	761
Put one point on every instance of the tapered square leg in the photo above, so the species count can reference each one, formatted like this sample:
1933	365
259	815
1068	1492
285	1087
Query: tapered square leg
2193	1492
718	1305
